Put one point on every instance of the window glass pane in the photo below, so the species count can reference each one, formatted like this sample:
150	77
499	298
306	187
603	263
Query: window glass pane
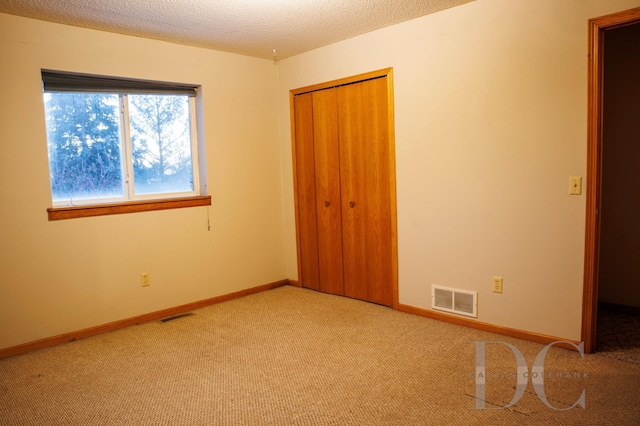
83	138
161	143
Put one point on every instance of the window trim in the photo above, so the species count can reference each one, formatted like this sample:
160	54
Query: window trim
61	213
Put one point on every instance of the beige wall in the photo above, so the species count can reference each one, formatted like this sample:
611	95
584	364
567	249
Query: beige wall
619	281
490	103
57	277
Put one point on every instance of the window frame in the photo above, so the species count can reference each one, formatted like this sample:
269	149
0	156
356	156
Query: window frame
59	81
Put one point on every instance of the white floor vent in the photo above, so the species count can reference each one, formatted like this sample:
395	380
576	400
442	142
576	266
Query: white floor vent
454	301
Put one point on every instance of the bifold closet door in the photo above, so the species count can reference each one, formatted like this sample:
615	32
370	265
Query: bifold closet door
318	180
328	200
344	190
363	132
306	192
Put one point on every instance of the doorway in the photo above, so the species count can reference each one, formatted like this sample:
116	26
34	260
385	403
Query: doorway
598	255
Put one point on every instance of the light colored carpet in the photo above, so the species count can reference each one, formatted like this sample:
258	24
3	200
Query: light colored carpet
292	356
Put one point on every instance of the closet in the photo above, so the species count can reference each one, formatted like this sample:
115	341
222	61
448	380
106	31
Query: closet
344	172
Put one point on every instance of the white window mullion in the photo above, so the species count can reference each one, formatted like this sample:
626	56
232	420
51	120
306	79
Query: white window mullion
127	149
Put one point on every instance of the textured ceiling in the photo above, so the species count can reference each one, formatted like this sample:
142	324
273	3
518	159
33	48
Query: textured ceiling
248	27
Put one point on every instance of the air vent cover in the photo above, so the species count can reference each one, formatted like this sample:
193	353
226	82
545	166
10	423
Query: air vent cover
455	301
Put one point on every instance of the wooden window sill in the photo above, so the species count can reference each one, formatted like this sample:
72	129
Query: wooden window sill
61	213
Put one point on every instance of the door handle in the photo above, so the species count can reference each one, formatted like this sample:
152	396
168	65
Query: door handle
351	204
326	204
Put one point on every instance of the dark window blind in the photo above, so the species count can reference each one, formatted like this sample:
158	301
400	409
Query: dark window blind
58	81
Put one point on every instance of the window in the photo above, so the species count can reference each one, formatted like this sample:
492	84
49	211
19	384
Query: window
126	142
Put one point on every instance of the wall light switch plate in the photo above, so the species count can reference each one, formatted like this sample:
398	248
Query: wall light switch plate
575	185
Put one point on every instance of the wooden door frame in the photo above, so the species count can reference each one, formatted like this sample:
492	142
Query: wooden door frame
388	73
597	28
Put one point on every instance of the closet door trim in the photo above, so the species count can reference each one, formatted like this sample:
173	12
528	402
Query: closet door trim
386	72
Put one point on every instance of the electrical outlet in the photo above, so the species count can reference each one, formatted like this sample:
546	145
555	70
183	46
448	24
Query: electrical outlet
497	284
145	280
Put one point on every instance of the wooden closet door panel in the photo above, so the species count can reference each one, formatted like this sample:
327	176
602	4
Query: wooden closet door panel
365	168
327	173
306	192
379	225
352	167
